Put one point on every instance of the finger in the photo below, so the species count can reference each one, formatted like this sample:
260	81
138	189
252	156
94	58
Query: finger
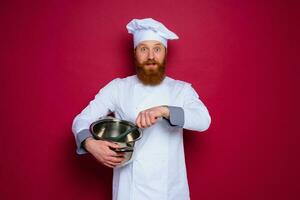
123	157
148	119
120	151
153	118
112	153
106	164
114	159
143	120
120	154
112	145
113	164
116	154
138	120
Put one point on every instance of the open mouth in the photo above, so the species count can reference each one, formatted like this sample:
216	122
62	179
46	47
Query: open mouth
151	64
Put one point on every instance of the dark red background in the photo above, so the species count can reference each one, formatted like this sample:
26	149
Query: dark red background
239	56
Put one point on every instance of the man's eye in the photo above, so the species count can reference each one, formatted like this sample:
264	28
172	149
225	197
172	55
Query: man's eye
157	49
143	49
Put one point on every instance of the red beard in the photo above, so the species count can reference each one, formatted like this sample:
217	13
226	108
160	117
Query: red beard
150	76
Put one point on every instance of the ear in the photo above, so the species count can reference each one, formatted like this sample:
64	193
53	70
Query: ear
134	52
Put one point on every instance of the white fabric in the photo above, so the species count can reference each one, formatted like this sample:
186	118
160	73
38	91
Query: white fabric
143	35
158	170
149	29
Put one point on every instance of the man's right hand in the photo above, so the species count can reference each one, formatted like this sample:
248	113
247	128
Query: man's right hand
101	151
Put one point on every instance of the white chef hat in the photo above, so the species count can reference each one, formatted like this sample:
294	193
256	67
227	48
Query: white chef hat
149	29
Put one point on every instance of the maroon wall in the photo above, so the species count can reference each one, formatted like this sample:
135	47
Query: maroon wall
56	55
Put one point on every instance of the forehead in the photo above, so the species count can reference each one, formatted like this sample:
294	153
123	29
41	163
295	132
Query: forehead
150	43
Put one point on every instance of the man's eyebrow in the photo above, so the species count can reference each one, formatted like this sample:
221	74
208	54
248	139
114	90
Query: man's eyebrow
143	44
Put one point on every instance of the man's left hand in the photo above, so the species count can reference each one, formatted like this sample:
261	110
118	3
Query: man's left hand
150	116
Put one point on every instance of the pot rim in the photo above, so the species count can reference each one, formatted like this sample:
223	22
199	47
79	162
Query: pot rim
111	119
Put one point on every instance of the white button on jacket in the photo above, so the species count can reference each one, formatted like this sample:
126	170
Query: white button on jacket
158	171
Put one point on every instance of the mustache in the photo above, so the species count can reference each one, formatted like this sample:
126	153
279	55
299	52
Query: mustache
150	62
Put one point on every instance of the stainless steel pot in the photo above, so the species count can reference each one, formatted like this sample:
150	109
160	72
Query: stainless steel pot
108	128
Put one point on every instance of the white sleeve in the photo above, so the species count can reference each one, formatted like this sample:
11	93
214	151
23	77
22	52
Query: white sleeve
103	103
196	115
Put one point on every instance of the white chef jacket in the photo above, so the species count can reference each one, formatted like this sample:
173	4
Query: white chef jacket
158	170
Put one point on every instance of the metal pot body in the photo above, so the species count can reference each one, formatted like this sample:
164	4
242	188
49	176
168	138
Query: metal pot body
112	127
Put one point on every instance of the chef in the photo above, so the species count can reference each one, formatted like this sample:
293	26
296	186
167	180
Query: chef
160	106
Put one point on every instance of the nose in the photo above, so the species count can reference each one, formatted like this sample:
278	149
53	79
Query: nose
150	55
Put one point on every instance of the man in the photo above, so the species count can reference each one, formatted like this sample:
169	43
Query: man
160	106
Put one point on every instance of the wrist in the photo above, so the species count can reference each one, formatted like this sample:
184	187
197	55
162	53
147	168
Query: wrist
87	143
165	112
